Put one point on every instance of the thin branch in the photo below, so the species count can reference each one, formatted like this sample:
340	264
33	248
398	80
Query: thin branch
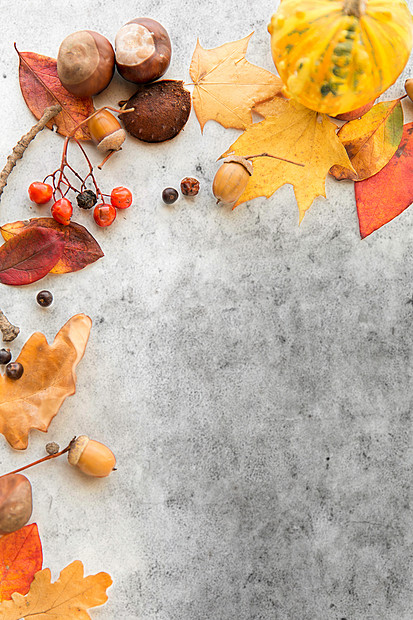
18	151
9	331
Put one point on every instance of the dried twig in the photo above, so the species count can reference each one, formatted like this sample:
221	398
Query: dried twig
23	143
9	331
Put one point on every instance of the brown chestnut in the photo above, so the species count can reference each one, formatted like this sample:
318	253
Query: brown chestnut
85	63
143	50
15	502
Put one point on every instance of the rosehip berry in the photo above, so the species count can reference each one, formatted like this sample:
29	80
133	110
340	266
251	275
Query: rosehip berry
62	211
40	193
169	195
104	214
14	370
121	198
44	298
5	356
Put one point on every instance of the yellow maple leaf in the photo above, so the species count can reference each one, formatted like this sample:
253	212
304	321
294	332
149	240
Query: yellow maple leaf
49	377
227	86
294	132
69	597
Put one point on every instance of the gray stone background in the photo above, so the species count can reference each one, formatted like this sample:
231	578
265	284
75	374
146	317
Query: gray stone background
253	377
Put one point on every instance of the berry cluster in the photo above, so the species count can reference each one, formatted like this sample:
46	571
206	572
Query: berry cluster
104	213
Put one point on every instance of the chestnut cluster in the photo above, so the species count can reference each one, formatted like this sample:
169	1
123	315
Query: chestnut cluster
86	60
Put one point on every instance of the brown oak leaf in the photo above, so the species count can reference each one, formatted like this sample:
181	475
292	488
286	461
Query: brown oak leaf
49	377
69	597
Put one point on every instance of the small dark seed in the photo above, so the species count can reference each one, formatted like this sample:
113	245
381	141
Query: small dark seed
14	370
52	448
44	298
169	195
86	199
5	356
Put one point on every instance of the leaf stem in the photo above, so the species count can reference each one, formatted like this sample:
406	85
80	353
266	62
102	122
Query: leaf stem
45	458
295	163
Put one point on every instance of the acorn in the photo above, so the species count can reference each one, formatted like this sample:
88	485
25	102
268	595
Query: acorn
160	111
15	502
106	131
231	180
142	50
408	86
91	457
85	63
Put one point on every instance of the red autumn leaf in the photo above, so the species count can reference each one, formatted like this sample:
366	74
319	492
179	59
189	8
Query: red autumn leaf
20	558
41	87
80	249
29	256
388	193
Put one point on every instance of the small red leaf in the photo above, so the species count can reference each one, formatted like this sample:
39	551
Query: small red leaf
29	256
81	248
41	87
20	558
388	193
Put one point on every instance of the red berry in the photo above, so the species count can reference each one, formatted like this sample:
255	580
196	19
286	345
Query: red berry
104	214
62	211
40	193
121	198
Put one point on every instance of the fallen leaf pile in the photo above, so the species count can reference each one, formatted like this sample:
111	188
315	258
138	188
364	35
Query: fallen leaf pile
227	86
21	557
38	246
49	377
41	88
293	132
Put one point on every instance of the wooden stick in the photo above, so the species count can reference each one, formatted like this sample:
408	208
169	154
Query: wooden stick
18	151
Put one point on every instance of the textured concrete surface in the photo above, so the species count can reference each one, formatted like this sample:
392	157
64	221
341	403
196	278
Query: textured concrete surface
253	377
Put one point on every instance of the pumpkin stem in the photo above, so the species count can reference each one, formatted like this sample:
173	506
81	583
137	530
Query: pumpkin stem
357	8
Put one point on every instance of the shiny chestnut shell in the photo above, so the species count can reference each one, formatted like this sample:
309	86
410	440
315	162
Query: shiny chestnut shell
85	63
155	65
15	502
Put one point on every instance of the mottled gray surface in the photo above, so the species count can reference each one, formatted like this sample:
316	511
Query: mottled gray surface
252	377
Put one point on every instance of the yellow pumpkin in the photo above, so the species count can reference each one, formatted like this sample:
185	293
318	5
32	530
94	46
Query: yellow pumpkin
337	55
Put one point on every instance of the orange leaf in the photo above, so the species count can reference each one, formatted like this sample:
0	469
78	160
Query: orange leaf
389	192
69	597
41	87
80	247
227	86
371	141
20	558
49	377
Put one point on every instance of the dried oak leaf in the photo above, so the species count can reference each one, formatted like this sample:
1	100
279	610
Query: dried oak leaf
296	133
41	87
80	247
227	86
69	597
49	377
21	557
388	193
30	256
371	141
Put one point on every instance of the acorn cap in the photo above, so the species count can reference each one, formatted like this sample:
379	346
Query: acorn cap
240	160
76	449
